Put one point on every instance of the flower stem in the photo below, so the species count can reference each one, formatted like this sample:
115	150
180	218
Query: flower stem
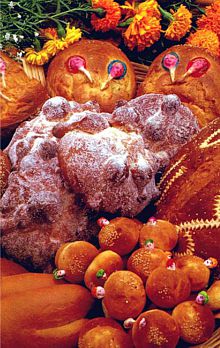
167	15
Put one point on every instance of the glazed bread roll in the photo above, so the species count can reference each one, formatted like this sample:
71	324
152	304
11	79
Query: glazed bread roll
92	70
199	90
20	97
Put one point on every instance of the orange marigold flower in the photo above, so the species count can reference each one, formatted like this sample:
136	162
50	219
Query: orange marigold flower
211	20
206	39
111	18
145	28
180	24
49	33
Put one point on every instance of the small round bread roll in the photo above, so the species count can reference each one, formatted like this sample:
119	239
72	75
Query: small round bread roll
162	232
5	168
125	295
101	267
92	70
155	328
120	235
72	260
167	287
214	296
143	261
194	268
191	73
105	333
196	322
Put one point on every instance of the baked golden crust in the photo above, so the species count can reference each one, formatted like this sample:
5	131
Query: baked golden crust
23	96
98	55
200	94
190	196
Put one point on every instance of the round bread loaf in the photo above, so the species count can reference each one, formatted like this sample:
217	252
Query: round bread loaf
192	74
155	328
92	70
196	322
190	196
20	97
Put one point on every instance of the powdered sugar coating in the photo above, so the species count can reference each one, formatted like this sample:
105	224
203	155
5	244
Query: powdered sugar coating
39	213
111	169
164	123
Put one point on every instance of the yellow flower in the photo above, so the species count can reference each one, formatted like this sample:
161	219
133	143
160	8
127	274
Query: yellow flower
72	34
36	58
206	39
52	47
180	24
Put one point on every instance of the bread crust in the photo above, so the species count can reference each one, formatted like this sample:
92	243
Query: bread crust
97	54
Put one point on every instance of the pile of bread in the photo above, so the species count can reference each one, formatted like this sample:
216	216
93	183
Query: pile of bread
93	144
148	298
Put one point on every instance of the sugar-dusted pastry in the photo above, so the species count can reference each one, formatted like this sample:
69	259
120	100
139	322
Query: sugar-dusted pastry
20	97
124	295
196	321
104	264
191	73
166	287
155	328
163	233
103	332
113	167
164	123
38	211
197	272
190	195
120	235
92	70
72	260
143	261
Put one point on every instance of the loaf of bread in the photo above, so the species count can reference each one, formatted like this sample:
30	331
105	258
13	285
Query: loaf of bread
20	97
192	74
92	70
46	317
190	194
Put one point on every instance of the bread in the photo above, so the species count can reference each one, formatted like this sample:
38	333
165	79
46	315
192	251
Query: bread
19	283
10	268
194	268
39	213
200	93
44	317
103	332
163	234
98	58
120	235
196	322
21	97
155	328
124	295
111	160
213	294
5	168
143	261
104	264
74	258
167	287
190	195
